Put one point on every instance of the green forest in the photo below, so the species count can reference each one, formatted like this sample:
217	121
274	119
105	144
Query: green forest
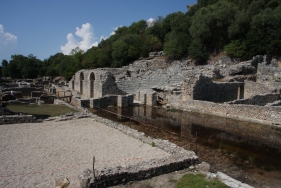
241	28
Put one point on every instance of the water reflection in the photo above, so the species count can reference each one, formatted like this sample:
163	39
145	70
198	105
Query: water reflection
250	141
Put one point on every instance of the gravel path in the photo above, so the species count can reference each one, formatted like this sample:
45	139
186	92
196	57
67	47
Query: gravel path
32	155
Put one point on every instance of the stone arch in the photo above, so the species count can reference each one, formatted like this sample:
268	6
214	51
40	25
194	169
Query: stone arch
92	76
81	78
92	83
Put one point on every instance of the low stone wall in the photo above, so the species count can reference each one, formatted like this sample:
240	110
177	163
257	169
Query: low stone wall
37	93
260	100
254	88
103	102
146	97
141	171
11	119
256	114
26	91
23	101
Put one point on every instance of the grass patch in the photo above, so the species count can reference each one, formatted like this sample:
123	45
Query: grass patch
41	111
173	181
198	181
153	144
173	110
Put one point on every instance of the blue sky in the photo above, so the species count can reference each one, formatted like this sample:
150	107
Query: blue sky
46	27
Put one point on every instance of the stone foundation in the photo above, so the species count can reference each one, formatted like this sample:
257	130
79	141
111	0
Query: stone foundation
12	119
260	100
103	102
251	113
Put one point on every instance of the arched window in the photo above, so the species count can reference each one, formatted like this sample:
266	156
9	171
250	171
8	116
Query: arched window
81	76
92	76
81	82
92	79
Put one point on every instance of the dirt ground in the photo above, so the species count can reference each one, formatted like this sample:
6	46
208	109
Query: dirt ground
33	154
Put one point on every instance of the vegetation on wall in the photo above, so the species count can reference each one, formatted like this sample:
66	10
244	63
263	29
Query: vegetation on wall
241	28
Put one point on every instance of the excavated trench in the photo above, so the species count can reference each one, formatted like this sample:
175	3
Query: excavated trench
248	152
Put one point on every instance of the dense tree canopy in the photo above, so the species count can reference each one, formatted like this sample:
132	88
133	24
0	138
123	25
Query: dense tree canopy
241	28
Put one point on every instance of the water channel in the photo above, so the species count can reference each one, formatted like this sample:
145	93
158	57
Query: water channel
248	152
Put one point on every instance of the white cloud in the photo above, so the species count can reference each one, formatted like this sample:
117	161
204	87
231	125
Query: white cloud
150	22
114	29
103	38
7	39
88	39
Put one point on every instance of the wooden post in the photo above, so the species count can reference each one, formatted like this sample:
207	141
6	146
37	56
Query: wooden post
94	171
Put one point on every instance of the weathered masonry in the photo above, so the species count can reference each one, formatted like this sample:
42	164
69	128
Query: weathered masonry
154	80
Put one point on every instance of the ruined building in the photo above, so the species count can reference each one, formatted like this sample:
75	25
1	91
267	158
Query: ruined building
158	81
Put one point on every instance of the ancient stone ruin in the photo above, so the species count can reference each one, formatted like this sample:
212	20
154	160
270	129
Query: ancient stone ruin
177	83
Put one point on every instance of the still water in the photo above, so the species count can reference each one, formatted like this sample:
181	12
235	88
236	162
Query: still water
257	144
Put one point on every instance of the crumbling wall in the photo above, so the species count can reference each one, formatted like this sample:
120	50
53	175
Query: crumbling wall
254	88
199	87
260	100
11	119
26	91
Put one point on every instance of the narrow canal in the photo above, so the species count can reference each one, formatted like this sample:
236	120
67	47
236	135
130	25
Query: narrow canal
245	151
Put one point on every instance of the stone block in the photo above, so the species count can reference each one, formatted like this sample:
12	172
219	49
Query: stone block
142	97
113	100
138	95
94	103
122	101
151	99
130	100
85	103
105	102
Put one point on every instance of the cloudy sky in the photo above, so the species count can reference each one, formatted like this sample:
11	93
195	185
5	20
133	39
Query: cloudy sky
46	27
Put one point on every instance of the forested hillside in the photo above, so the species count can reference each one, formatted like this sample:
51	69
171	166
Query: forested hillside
242	28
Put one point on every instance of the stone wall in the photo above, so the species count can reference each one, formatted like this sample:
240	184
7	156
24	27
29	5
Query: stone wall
254	88
24	101
25	91
175	80
103	102
270	69
255	114
260	100
95	83
11	119
199	87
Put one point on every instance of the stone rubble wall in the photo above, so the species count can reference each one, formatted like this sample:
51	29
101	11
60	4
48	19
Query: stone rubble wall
177	80
255	114
26	91
199	87
270	69
24	101
254	88
12	119
260	100
103	102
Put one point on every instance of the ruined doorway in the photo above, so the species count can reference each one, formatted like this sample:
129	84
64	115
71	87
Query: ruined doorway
92	88
81	82
73	84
